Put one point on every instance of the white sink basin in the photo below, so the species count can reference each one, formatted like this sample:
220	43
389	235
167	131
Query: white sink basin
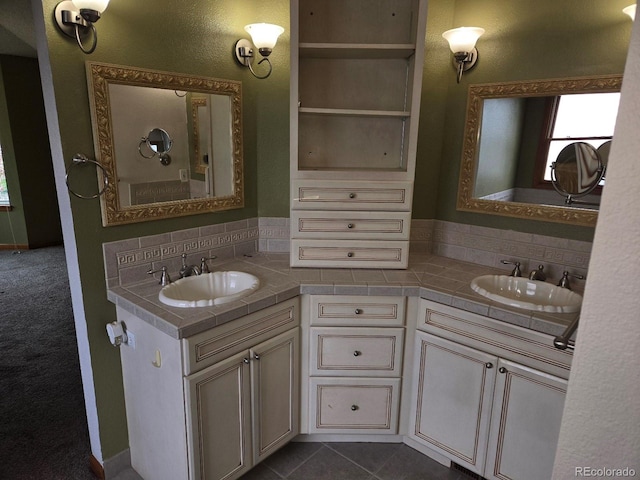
208	289
527	294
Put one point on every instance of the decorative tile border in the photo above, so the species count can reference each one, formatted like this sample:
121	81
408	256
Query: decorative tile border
127	261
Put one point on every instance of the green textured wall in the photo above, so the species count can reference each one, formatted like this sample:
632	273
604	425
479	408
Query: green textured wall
187	36
523	41
34	221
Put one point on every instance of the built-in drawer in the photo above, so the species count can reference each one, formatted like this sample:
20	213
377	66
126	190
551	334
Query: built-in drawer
521	345
354	310
356	351
351	195
349	253
354	405
351	225
210	347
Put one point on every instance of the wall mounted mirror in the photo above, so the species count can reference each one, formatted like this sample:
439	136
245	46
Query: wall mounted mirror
197	118
506	125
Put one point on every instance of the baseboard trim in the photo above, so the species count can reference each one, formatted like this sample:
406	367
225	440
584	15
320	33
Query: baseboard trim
14	246
96	467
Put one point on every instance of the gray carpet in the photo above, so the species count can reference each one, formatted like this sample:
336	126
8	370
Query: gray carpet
43	427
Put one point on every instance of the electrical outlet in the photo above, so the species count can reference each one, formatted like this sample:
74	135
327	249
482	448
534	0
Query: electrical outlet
183	175
131	339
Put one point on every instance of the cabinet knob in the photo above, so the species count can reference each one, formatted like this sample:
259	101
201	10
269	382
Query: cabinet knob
357	353
350	225
502	370
354	408
488	365
256	356
352	195
350	254
358	311
245	360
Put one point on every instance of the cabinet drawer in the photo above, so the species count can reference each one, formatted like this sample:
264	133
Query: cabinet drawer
354	405
531	348
350	195
356	351
216	344
355	225
349	253
357	310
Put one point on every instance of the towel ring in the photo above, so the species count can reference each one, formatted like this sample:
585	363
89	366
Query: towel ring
80	159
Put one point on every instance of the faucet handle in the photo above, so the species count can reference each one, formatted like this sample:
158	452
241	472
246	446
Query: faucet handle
564	281
516	270
204	268
165	279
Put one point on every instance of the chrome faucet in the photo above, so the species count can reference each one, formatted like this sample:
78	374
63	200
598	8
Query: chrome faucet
165	279
516	270
564	281
538	274
188	270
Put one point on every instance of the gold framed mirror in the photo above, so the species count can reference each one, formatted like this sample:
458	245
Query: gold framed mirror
478	121
203	118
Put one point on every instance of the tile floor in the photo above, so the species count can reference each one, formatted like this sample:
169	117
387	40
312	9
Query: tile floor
350	461
344	461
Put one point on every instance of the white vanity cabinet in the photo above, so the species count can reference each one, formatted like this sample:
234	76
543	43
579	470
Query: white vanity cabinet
356	346
356	79
242	409
213	405
487	395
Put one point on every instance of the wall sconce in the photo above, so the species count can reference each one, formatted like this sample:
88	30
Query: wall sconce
264	36
631	11
462	42
76	18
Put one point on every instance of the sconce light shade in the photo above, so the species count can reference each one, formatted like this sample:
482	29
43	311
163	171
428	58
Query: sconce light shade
76	19
97	5
631	11
463	39
264	36
462	42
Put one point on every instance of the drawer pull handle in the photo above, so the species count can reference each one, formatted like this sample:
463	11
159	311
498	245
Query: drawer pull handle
245	360
350	254
357	353
488	365
352	195
350	225
502	370
256	356
354	408
358	311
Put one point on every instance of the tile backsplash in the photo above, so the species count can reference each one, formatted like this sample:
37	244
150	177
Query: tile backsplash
127	261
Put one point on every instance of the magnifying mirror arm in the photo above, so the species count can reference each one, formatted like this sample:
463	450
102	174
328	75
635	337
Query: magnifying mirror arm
144	142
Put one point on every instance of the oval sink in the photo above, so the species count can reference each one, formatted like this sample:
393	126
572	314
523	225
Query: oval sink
527	294
208	289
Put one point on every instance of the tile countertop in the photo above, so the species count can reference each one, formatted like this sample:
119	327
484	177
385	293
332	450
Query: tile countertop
440	279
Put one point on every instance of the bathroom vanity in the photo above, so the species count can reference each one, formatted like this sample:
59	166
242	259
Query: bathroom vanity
211	392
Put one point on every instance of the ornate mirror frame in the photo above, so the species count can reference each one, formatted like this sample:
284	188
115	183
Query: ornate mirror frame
538	88
99	77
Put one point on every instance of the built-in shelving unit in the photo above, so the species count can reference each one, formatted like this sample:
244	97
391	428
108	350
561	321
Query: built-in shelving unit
355	95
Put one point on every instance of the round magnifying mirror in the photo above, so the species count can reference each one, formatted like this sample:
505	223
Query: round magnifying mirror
159	141
603	151
577	170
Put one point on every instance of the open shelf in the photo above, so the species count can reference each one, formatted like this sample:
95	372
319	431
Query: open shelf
355	50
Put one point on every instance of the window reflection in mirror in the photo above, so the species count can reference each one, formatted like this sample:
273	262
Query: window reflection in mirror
505	129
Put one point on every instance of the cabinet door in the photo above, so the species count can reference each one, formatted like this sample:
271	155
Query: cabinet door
219	419
525	423
276	393
452	399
